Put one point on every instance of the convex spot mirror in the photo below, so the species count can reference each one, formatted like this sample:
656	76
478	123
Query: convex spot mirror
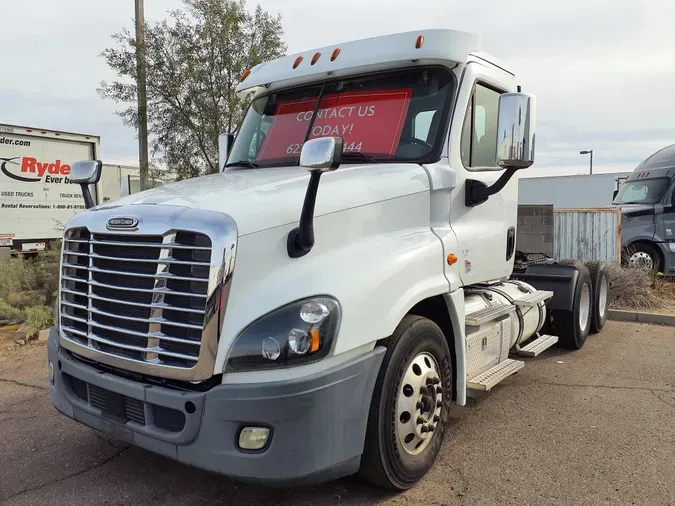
86	171
516	130
323	154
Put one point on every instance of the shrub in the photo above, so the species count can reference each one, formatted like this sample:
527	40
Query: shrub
37	318
633	288
8	312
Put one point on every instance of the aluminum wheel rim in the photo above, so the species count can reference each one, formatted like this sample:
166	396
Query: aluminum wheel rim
419	404
603	296
584	306
641	260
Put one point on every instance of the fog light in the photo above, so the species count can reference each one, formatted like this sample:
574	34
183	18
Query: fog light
253	438
51	372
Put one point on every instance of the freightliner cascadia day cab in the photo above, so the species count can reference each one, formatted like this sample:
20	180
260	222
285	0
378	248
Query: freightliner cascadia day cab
286	322
647	200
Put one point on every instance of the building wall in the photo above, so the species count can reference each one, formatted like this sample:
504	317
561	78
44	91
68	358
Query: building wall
535	229
582	191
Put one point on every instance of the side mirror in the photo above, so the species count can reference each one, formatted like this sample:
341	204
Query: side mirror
516	130
317	156
84	173
225	142
323	154
515	145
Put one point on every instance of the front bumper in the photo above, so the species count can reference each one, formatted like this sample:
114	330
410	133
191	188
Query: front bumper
317	423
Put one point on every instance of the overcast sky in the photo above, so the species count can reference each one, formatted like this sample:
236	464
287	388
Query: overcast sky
603	70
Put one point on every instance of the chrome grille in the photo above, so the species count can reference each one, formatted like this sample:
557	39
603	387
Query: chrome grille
138	297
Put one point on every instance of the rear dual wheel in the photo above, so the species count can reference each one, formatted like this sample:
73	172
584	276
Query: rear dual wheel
409	408
600	299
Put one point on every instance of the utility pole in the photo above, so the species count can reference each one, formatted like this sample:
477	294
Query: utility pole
142	97
588	152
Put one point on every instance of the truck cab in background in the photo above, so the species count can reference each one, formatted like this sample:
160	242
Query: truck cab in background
647	200
313	310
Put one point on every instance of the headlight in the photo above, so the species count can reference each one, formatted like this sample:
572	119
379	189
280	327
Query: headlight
296	334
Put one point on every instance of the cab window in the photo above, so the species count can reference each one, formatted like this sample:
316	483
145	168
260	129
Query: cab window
479	133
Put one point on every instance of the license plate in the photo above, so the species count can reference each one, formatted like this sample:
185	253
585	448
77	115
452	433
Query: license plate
33	246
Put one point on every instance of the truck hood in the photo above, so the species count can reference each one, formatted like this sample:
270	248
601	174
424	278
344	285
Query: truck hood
259	199
635	210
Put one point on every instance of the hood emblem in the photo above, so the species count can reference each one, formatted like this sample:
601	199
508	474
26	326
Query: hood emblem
122	223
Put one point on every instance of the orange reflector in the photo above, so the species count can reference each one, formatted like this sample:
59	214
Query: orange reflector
334	54
452	259
297	62
246	73
315	58
419	41
314	340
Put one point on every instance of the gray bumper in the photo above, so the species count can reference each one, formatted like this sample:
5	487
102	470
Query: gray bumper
318	422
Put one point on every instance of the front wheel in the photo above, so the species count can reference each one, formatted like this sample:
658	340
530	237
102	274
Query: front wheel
642	256
409	409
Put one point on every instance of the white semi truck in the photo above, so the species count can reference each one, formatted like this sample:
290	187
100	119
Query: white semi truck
286	322
37	195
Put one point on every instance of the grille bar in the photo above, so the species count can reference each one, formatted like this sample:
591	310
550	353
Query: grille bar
157	305
156	335
140	349
136	274
160	320
145	295
170	245
166	291
169	261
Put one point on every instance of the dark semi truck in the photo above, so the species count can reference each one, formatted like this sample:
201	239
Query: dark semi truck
647	200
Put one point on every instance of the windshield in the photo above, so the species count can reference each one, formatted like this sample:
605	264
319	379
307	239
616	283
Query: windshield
644	191
384	117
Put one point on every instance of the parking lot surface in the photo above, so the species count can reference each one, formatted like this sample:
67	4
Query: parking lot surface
588	427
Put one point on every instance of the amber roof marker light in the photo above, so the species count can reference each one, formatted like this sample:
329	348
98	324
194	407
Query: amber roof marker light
297	62
334	54
419	41
315	58
246	73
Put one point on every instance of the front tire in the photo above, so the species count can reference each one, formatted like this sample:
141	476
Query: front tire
643	256
410	404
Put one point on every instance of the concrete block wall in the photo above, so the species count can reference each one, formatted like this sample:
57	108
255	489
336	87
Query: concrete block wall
535	229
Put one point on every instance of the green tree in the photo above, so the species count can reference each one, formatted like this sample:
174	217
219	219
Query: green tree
194	60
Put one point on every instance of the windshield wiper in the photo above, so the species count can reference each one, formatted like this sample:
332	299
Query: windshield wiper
362	156
243	163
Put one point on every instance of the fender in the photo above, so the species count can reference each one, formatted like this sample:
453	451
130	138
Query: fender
377	260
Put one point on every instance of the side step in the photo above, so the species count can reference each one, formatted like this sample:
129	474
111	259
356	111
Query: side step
487	314
485	381
534	298
536	346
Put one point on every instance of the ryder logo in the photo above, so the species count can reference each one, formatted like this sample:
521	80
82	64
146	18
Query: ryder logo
30	170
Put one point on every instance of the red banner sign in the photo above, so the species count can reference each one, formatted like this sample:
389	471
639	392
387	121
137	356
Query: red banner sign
368	121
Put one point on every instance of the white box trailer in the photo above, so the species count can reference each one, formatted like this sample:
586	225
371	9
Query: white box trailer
37	197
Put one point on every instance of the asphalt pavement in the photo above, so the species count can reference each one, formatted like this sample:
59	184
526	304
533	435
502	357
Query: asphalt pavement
588	427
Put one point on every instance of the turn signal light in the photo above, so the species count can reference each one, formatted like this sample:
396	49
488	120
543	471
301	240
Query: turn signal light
314	340
452	259
334	54
297	62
